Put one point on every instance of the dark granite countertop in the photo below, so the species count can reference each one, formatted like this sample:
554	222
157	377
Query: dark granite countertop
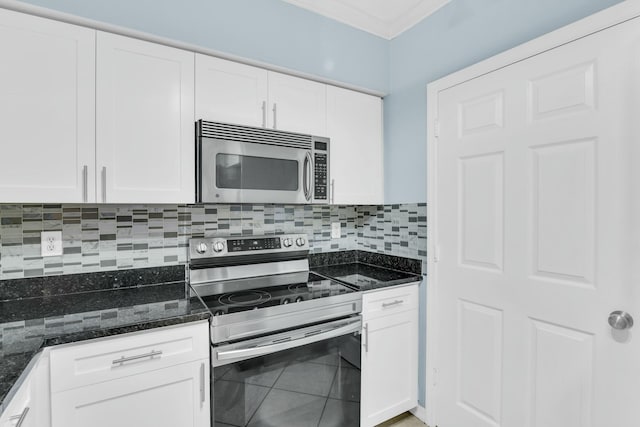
366	271
29	324
366	277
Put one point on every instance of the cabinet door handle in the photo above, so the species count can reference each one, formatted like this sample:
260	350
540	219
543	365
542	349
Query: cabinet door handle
85	183
264	114
366	337
275	115
202	384
124	360
333	191
391	304
104	184
21	417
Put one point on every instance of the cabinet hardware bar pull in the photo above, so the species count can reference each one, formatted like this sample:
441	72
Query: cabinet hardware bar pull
104	184
390	304
333	191
202	384
85	178
22	416
264	114
366	337
275	115
123	359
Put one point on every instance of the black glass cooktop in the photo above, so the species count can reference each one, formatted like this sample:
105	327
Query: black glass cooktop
252	299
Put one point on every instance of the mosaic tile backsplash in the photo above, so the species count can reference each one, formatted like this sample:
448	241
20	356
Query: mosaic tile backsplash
109	237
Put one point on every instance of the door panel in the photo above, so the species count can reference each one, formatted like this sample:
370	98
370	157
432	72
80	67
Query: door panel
480	363
537	214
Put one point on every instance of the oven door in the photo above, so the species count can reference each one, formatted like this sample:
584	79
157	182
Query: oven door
308	376
244	172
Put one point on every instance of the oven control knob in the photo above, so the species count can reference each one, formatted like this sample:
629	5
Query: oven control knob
201	248
218	247
287	242
300	241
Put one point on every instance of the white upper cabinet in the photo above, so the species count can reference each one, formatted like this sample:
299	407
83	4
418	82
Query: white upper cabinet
230	92
47	105
354	124
297	105
145	122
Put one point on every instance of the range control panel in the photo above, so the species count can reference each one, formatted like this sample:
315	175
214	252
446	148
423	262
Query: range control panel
228	246
239	245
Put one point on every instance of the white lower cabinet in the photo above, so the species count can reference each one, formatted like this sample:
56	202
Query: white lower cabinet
390	354
29	406
158	378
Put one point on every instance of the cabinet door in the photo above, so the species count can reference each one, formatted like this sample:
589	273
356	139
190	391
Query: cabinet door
354	124
230	92
47	105
145	122
170	397
23	407
389	366
297	105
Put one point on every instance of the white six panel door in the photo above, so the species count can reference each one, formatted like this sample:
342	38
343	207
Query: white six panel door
537	210
47	105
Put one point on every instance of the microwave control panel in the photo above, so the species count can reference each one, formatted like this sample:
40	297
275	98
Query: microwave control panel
321	170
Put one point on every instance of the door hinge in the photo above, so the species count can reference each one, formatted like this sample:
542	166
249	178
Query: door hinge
436	128
436	253
434	377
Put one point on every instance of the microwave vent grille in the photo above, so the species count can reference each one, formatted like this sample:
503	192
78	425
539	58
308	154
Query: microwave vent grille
229	132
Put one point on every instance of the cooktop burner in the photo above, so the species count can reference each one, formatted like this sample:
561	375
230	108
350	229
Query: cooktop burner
252	299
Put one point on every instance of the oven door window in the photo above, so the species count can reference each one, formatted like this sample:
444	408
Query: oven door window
243	172
316	384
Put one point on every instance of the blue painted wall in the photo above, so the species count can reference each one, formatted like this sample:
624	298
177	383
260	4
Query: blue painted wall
460	34
271	31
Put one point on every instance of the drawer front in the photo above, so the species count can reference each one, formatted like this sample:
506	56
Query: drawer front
120	356
389	300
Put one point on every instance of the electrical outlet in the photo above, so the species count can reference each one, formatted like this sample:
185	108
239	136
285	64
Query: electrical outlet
336	232
51	243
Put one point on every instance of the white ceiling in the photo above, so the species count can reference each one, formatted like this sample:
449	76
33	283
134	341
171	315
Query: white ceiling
384	18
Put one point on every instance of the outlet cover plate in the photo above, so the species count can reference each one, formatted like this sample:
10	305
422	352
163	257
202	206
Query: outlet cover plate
336	232
51	243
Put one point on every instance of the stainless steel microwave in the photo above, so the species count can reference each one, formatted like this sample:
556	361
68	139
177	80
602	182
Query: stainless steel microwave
242	164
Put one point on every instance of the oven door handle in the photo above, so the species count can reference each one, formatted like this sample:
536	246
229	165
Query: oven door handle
310	337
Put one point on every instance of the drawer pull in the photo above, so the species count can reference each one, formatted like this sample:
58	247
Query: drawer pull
366	337
123	359
391	304
21	417
202	384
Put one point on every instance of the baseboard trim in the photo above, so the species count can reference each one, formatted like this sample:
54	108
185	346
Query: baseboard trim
420	412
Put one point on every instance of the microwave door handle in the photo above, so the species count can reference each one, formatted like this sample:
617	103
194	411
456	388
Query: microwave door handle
308	176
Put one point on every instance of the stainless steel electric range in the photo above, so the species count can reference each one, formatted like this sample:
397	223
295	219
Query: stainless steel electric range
285	342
